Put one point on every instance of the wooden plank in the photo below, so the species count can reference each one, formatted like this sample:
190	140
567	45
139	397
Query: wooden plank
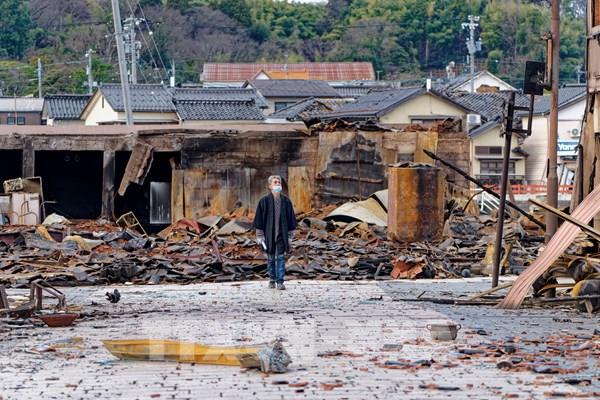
138	166
426	141
561	240
108	184
587	229
177	195
300	188
28	160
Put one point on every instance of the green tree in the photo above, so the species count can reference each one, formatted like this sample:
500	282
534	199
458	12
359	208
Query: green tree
236	9
15	23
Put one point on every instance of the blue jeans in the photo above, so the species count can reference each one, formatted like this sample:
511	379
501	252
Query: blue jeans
276	266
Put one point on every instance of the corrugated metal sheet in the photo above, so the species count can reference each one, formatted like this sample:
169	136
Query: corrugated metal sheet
561	240
369	211
21	104
329	71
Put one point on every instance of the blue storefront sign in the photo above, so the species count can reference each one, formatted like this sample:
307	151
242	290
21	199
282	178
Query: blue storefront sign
567	148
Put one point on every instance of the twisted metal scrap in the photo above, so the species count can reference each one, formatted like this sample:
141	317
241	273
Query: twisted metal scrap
561	240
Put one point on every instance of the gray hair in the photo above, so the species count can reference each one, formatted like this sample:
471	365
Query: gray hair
272	178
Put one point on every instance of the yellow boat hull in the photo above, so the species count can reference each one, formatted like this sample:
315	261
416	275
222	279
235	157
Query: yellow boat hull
187	352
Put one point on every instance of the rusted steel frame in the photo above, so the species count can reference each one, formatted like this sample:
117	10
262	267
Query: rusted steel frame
589	207
584	227
485	189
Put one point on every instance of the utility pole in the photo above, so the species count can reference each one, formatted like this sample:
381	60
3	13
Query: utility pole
552	177
122	67
39	77
89	71
473	46
132	47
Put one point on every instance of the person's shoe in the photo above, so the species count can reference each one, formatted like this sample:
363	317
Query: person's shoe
271	285
280	286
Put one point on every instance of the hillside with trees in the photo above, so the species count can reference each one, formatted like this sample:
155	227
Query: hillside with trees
404	39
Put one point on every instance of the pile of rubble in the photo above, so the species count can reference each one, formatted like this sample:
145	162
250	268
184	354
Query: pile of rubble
220	249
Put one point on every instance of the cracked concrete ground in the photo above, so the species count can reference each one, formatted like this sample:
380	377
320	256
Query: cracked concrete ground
312	317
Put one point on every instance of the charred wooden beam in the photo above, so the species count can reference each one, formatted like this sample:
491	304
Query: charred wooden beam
108	184
28	160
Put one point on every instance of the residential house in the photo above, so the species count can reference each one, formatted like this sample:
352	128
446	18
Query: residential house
281	93
571	108
403	106
482	81
63	109
236	74
486	154
218	105
484	123
21	111
150	104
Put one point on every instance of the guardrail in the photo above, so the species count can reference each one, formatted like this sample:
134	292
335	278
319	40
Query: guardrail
533	188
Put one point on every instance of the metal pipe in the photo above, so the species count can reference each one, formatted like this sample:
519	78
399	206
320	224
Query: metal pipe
552	178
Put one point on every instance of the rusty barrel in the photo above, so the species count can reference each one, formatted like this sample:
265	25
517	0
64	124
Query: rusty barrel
415	202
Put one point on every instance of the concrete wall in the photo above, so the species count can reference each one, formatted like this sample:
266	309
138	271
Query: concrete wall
424	105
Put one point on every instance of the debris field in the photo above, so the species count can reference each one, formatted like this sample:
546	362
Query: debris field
222	249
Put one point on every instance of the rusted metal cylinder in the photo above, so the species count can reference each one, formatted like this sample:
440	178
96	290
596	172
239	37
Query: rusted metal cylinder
415	202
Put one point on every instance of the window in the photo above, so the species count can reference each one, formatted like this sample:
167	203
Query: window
10	120
280	105
20	120
494	167
488	150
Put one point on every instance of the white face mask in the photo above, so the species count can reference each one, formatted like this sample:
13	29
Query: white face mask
277	188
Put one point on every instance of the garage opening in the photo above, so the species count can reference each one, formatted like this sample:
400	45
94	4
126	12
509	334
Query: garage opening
10	166
151	201
72	182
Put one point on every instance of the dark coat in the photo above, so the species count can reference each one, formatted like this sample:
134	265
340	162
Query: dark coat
265	216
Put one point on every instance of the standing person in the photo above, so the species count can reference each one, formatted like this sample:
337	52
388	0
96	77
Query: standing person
275	222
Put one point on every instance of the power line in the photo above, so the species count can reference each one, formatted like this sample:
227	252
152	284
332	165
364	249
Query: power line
154	63
139	6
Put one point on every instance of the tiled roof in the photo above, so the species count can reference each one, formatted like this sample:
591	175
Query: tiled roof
376	103
144	97
485	127
21	104
216	94
307	108
566	95
293	88
454	84
65	106
328	71
218	110
488	105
